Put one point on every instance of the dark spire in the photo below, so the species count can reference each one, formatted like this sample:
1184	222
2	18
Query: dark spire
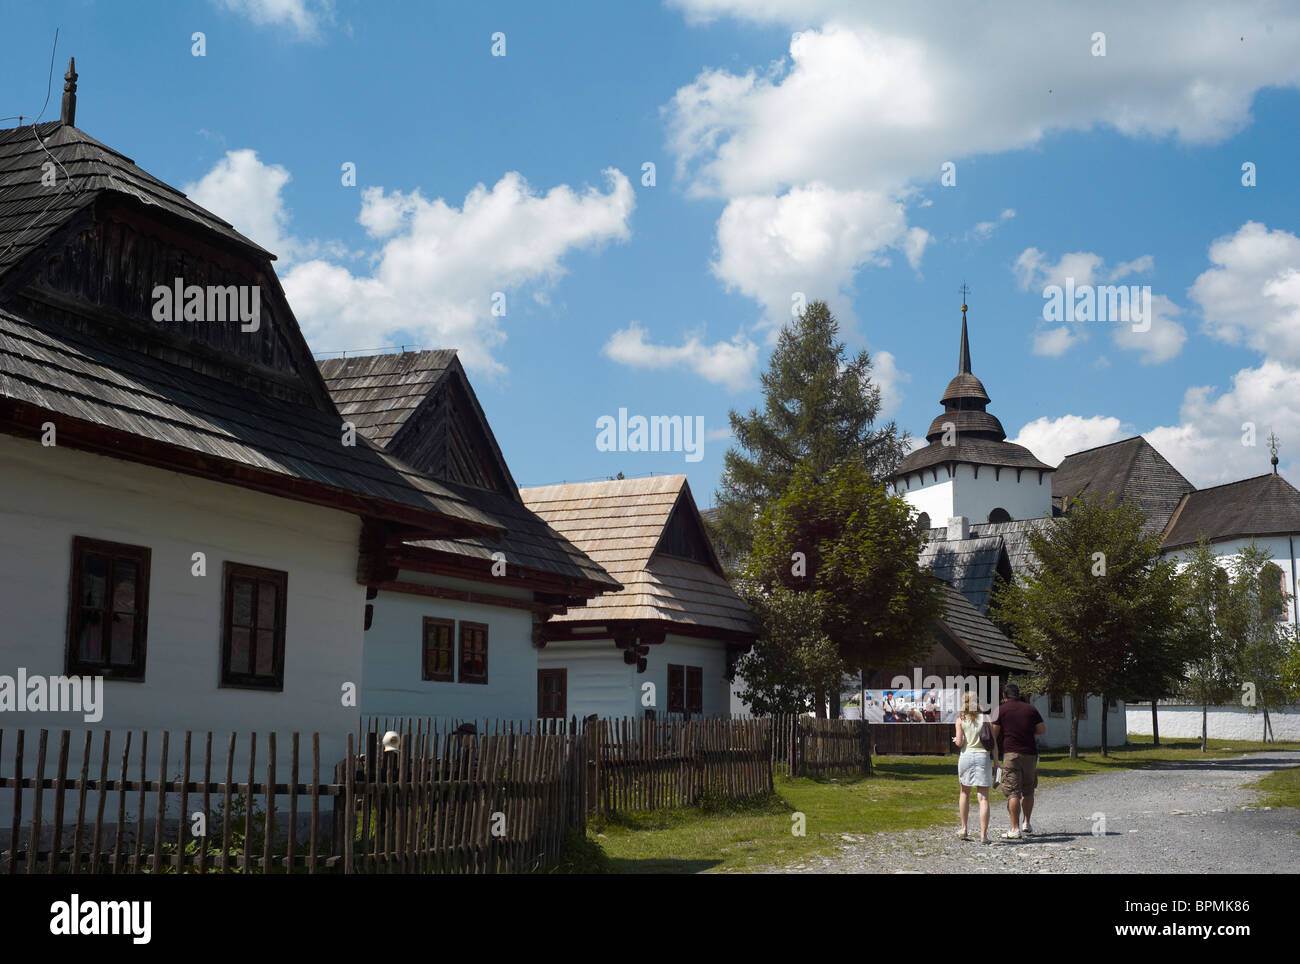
963	361
1272	448
70	94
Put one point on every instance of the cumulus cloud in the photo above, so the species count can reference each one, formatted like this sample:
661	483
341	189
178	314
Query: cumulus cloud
1055	342
303	18
243	190
1252	294
809	240
1162	340
877	97
1052	439
435	276
889	378
726	363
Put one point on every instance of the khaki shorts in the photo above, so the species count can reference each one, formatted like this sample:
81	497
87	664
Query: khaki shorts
1019	774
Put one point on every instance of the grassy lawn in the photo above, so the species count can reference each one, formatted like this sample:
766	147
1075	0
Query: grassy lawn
1279	789
906	793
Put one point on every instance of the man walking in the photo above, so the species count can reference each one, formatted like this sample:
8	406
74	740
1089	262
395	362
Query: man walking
1015	724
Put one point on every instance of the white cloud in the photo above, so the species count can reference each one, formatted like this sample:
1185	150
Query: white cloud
730	364
889	378
304	18
1143	265
1052	439
1252	294
244	191
984	229
1033	270
1207	443
434	278
810	240
914	243
1159	343
1055	342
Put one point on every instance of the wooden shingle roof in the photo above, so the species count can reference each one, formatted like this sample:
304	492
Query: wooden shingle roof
85	169
146	408
620	524
380	392
1131	470
971	565
1266	505
973	630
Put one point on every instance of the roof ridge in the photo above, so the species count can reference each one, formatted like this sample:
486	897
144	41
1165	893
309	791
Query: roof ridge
1107	445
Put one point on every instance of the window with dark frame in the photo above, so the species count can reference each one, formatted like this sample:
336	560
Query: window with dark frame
108	609
1056	705
253	623
685	689
552	693
473	652
438	650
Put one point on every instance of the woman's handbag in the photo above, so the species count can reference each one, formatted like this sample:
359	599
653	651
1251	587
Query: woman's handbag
986	735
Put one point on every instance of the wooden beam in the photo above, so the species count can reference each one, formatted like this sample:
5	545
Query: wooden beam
464	595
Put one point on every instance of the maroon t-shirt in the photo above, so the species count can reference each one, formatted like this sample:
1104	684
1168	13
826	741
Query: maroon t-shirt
1017	719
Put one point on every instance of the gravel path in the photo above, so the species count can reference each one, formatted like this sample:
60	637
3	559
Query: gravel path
1182	818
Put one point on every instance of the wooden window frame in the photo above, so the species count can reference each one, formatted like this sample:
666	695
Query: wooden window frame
563	675
674	706
425	674
695	696
1053	712
251	681
466	625
140	555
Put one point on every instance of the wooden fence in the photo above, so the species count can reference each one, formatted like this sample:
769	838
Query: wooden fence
812	747
445	797
641	764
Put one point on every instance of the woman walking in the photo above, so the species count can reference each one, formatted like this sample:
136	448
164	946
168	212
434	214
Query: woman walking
976	763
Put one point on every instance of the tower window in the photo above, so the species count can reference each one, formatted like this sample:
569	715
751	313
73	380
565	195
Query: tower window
923	522
999	515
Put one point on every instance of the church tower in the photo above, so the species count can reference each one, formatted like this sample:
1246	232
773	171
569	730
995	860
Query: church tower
969	468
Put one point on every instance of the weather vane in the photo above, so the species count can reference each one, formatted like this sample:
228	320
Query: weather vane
964	292
1272	450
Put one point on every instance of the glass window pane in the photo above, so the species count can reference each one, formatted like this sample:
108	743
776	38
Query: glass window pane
265	652
89	637
94	579
267	592
239	647
243	609
125	573
123	643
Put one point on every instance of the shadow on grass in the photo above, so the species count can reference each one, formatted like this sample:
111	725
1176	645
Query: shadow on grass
659	865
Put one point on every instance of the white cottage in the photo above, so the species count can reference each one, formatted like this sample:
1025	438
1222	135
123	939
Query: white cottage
453	625
181	512
667	641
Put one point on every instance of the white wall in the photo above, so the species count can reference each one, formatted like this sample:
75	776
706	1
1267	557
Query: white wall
49	495
1280	549
1183	721
392	675
1058	726
600	682
975	497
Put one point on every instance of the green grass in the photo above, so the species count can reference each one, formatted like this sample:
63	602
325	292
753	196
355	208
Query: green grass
906	793
1278	789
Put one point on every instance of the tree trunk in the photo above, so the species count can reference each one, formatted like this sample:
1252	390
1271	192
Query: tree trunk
1105	719
1155	725
1074	728
1204	735
819	699
1268	728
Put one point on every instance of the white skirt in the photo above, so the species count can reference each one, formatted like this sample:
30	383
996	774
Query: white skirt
975	768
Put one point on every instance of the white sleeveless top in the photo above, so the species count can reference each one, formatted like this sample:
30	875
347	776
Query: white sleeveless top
971	734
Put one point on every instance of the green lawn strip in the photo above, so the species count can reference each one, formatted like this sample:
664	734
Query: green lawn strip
906	793
1278	789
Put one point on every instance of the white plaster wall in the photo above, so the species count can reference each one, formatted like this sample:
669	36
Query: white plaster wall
709	655
975	496
392	683
1058	727
1183	721
49	495
598	680
1280	549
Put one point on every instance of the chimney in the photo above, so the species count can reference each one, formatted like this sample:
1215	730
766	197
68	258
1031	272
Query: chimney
958	528
69	116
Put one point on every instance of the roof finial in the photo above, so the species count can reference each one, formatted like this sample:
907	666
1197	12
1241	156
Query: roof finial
1272	448
963	361
69	116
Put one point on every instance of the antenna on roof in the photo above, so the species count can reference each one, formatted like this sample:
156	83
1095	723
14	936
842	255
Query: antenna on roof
69	115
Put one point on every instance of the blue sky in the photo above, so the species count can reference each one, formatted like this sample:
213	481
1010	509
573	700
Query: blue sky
797	146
